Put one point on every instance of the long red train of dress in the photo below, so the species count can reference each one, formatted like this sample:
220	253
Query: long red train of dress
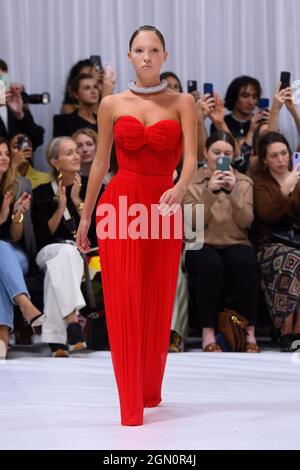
139	275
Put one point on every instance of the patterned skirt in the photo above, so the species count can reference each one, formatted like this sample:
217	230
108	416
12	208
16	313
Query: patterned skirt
280	280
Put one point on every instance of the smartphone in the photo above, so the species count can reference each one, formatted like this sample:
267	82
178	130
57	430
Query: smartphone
223	163
4	87
96	61
5	78
285	78
263	103
2	93
192	86
23	142
208	88
296	161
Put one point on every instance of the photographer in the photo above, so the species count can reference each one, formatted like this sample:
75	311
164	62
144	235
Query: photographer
21	154
14	117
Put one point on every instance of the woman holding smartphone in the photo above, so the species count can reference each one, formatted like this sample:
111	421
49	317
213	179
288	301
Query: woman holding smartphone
227	257
277	207
150	124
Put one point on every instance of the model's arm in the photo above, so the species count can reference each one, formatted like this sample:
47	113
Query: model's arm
172	198
189	131
98	170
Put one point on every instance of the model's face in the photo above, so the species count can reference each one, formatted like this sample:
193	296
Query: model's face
4	159
247	100
86	148
217	149
277	158
173	84
68	159
147	54
88	92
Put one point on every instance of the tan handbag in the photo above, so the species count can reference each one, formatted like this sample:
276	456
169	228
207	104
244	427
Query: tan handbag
233	327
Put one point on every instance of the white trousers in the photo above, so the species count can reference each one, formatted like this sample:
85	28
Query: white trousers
63	267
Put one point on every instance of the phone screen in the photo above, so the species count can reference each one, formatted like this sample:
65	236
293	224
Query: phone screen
296	161
96	61
263	103
192	86
208	88
285	78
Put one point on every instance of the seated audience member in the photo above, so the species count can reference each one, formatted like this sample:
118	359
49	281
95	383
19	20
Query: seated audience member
14	262
227	252
241	99
15	118
56	213
106	83
277	210
173	81
85	89
86	141
21	155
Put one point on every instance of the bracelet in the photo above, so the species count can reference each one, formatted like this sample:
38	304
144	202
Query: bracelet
17	219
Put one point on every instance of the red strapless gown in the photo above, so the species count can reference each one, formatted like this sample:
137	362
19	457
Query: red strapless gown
139	275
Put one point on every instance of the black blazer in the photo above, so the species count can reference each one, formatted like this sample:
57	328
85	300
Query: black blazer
67	124
26	126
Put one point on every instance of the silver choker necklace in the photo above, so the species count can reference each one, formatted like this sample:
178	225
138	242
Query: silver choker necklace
147	89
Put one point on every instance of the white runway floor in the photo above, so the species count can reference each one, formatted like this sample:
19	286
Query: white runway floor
210	401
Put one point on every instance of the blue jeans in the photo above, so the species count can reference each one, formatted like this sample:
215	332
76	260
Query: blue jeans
13	266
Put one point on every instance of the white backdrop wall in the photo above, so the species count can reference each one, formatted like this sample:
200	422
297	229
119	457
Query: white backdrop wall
207	40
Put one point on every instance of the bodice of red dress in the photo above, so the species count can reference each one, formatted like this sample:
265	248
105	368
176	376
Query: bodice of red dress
149	150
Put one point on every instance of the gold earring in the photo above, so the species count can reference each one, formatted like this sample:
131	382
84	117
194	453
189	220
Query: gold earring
59	176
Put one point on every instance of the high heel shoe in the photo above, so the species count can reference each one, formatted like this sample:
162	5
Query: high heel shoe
36	321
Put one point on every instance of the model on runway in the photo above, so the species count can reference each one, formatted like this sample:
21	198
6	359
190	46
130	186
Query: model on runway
152	127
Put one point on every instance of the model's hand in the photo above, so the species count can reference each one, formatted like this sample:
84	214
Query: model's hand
4	212
170	200
82	241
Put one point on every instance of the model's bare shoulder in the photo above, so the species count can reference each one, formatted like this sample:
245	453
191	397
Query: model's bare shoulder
186	99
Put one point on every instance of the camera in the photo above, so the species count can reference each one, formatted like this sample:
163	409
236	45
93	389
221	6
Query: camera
36	98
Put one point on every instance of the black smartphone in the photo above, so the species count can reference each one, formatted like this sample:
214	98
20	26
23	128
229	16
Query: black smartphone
285	78
208	88
192	86
96	61
263	103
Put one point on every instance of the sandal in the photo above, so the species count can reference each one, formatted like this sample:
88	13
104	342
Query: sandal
252	348
36	321
286	343
212	347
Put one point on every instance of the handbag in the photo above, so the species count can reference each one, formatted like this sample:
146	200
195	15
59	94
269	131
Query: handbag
233	327
286	232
